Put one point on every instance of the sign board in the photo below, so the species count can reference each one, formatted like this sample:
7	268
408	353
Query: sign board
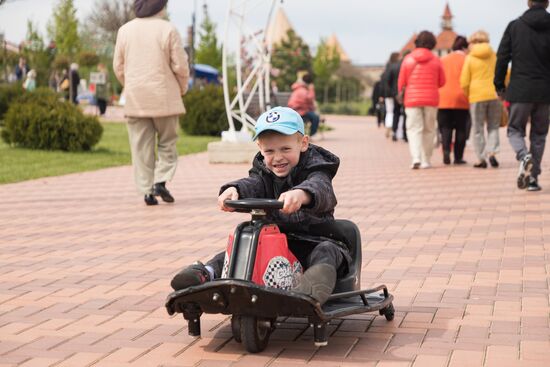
98	78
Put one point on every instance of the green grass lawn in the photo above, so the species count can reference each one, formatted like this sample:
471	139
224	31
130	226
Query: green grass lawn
18	164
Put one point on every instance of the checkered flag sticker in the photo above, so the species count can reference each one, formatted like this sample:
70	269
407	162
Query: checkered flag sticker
280	273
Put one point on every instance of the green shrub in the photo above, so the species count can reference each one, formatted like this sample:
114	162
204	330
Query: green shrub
205	111
8	93
39	120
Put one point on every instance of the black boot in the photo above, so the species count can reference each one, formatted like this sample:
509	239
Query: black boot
446	157
159	189
150	200
318	282
194	274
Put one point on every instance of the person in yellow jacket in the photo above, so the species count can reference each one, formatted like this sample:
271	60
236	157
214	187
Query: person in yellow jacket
476	81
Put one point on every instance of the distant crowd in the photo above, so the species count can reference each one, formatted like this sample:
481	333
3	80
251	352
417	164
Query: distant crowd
470	93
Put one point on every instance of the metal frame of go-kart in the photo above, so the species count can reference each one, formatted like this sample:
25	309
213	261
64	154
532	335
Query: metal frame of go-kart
255	308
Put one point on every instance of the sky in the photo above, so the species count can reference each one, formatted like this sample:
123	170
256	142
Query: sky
369	30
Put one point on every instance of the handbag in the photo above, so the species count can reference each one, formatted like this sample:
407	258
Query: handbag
400	97
504	117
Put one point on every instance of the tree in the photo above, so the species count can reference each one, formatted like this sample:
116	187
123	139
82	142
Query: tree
105	20
38	56
63	28
325	64
208	52
289	57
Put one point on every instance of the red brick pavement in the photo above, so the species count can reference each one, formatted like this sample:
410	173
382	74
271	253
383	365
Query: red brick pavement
85	266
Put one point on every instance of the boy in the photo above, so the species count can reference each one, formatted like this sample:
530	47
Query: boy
291	170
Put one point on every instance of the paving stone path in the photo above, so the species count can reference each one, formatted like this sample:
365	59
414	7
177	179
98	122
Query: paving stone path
85	265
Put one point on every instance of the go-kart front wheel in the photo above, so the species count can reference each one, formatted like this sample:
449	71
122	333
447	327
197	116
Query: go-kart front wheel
255	332
236	328
388	312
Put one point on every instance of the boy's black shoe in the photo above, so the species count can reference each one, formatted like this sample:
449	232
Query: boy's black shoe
318	282
493	161
159	189
459	161
533	185
194	274
481	164
150	200
446	158
394	138
525	167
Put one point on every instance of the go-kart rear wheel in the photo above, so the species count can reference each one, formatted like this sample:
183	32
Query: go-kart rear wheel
236	328
388	312
255	332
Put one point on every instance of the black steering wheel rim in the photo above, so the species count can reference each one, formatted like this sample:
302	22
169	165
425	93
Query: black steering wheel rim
247	205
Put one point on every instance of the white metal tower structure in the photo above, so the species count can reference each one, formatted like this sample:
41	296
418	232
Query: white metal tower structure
248	51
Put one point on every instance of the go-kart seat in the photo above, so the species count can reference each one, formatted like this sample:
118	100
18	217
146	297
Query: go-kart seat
352	280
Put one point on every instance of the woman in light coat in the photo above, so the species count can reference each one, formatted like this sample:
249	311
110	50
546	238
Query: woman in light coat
476	80
151	64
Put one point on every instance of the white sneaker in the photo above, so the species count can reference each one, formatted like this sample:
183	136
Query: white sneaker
425	165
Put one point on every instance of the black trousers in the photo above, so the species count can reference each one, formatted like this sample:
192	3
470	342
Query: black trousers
457	120
102	105
520	114
325	252
397	112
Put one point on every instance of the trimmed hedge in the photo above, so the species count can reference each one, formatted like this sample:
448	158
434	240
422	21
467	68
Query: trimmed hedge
205	111
8	93
39	120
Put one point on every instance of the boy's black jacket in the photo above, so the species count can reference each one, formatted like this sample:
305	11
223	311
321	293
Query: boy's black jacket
313	173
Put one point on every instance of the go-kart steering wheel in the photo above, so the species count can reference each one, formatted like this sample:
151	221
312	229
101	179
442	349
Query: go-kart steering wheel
250	205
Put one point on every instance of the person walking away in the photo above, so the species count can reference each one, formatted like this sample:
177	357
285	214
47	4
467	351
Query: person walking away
393	107
74	79
302	100
453	104
485	108
420	77
377	102
21	69
151	63
102	89
526	43
64	84
30	81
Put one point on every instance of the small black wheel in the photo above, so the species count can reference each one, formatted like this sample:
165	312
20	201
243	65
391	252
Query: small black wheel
388	312
236	328
255	332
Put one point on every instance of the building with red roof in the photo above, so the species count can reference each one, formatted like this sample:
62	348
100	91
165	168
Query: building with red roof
445	38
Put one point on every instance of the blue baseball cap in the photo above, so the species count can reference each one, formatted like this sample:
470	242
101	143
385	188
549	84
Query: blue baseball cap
284	120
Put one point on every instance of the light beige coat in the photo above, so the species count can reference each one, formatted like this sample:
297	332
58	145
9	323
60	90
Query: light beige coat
152	65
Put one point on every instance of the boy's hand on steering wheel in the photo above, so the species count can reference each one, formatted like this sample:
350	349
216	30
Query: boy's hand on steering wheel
230	193
293	200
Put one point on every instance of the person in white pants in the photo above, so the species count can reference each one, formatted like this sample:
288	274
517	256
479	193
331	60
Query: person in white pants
421	75
151	63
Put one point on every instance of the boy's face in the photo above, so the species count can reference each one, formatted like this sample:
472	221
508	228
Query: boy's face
282	152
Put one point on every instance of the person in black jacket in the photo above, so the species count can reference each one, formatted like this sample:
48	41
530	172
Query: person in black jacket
291	170
389	82
526	43
378	108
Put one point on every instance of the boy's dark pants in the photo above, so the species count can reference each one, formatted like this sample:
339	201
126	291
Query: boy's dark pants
325	252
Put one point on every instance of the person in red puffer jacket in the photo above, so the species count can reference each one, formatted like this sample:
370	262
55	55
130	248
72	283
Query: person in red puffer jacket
302	100
420	78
